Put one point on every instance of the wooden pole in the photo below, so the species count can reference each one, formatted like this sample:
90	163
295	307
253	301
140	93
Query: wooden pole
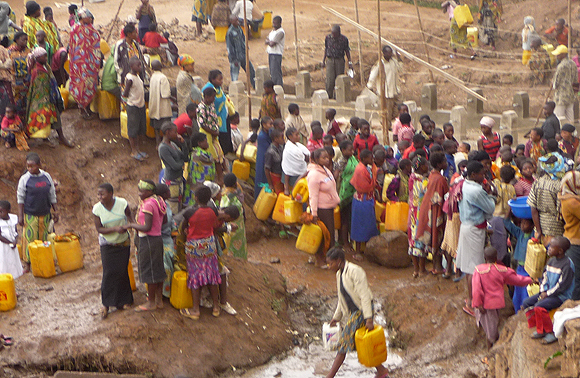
424	42
360	56
295	37
248	76
455	81
384	118
114	22
570	27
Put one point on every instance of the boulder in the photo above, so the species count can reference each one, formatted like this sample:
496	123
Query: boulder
389	249
255	229
570	344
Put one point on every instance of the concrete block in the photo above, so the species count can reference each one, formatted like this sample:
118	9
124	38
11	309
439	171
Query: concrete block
342	89
198	81
458	119
509	123
319	105
303	85
521	104
237	92
262	74
363	107
412	106
280	98
429	97
475	105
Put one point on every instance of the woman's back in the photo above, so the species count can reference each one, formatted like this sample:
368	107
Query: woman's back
201	222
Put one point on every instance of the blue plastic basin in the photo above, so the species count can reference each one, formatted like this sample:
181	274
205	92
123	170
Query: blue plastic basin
520	207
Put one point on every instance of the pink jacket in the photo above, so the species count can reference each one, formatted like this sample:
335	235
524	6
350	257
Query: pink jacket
488	282
321	189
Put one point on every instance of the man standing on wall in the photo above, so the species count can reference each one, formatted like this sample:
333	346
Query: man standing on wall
335	48
565	85
275	50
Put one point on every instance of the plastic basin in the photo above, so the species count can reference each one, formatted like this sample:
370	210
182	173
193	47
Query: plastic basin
520	207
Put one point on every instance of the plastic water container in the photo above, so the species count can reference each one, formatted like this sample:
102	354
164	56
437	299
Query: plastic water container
396	216
300	190
264	205
105	48
124	133
379	210
64	93
535	258
473	36
337	220
257	34
292	211
462	15
250	153
549	48
267	24
69	255
220	33
520	207
382	228
241	169
7	292
109	106
41	259
330	335
180	293
278	214
371	346
309	238
131	276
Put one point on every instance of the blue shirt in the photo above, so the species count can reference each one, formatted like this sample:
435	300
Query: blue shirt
450	171
522	240
236	45
558	279
476	206
264	142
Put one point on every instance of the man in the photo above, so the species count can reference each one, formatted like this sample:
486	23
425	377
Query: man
122	55
393	68
275	50
558	32
236	45
565	85
335	47
551	125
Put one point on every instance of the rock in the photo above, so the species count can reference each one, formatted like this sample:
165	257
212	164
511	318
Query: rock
570	344
389	249
275	260
255	229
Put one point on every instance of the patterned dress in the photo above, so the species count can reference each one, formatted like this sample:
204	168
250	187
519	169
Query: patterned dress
540	65
238	244
206	116
20	78
431	211
417	189
269	106
41	110
6	96
201	168
85	62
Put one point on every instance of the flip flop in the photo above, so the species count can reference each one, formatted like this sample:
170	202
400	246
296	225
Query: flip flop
549	339
142	308
185	312
216	313
143	155
468	311
437	272
6	340
137	157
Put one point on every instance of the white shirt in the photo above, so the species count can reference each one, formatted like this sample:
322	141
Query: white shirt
277	36
238	10
137	92
159	94
293	163
392	70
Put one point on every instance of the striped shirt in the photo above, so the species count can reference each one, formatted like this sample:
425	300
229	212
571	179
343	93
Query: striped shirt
544	197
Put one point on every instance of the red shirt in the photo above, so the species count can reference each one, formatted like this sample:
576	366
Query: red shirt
181	122
360	144
411	149
8	123
334	128
201	223
153	39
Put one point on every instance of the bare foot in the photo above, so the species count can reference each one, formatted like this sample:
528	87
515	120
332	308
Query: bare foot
357	257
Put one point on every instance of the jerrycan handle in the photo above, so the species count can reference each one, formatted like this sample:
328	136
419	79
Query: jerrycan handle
534	240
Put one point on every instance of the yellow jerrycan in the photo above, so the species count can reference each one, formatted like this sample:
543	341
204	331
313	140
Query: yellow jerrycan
180	293
264	205
68	254
108	105
535	258
131	276
300	190
64	93
278	214
396	216
250	153
41	259
241	169
220	33
379	209
371	346
337	220
7	292
309	238
292	211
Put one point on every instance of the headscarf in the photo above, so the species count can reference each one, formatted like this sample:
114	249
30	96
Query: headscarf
84	13
131	19
570	186
37	52
419	161
184	60
31	8
553	164
144	185
529	26
487	121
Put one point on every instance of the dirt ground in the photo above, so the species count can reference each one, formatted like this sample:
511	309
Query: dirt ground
56	323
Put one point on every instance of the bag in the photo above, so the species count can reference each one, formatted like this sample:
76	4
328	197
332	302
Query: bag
230	106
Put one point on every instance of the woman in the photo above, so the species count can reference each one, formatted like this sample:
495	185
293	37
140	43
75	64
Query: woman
489	141
201	167
110	216
569	197
85	61
187	91
488	26
19	74
42	98
36	198
173	158
150	218
354	304
459	37
263	144
323	197
417	187
6	96
164	193
475	208
216	80
528	31
201	12
33	23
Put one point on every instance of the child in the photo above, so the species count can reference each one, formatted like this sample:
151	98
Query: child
505	192
364	140
426	129
273	161
72	15
344	170
338	139
152	41
263	144
172	50
488	292
551	125
450	148
159	99
327	140
236	134
556	287
269	105
13	130
187	122
438	137
401	147
391	163
508	140
316	141
353	129
134	97
294	159
569	143
379	155
146	16
524	184
448	130
330	151
405	130
201	166
462	152
295	120
403	109
505	158
522	234
333	126
362	226
451	208
398	189
417	187
167	228
489	141
431	221
9	258
418	144
536	145
209	125
279	124
232	195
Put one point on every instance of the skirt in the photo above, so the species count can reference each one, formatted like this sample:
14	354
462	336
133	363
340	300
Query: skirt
470	248
363	226
202	263
346	342
115	286
150	259
520	292
35	228
451	236
489	322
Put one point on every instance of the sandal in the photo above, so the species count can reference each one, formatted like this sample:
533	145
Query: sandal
142	308
415	274
468	310
6	340
437	272
104	312
216	313
137	157
187	313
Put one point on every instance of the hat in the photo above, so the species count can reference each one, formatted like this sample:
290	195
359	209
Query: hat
560	50
184	60
215	188
131	19
487	121
569	128
84	13
37	52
